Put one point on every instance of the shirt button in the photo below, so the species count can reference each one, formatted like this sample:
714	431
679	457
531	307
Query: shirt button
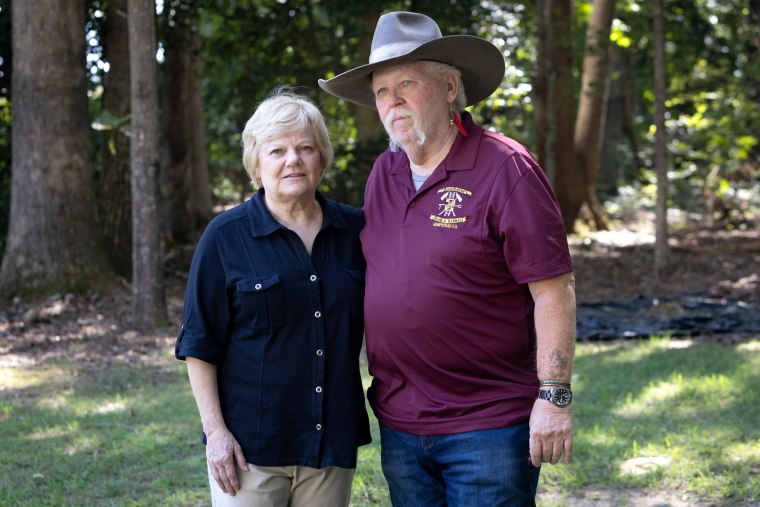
317	314
319	389
413	204
313	278
319	427
320	352
257	286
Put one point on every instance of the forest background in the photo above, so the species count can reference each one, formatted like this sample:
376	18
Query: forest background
579	91
630	122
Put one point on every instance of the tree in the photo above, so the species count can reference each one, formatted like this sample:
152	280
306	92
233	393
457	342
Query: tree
148	299
542	87
52	243
589	124
115	197
186	181
660	155
569	181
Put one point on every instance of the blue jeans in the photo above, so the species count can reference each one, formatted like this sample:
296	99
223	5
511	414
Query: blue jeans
487	468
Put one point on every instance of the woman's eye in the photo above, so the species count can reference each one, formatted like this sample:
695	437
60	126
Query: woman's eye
406	82
306	148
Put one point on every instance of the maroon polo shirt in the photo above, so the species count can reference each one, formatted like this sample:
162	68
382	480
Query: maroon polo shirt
448	313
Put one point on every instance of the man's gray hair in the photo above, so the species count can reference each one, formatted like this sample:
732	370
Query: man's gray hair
442	70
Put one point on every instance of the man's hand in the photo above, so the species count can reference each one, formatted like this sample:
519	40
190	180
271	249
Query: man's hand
551	433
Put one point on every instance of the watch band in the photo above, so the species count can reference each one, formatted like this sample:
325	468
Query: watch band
557	396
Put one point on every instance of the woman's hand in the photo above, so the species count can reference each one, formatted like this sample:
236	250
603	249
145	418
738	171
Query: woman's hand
223	454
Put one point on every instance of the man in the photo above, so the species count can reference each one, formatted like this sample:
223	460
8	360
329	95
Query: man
470	302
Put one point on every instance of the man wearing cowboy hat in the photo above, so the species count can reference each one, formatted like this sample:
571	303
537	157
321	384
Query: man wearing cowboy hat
470	301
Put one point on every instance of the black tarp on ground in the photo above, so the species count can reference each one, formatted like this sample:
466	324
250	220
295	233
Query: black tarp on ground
688	315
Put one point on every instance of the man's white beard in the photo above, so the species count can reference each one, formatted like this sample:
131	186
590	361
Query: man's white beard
393	143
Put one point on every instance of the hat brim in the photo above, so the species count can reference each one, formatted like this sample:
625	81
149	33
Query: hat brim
480	62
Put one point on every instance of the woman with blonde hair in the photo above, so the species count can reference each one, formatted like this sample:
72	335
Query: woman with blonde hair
272	326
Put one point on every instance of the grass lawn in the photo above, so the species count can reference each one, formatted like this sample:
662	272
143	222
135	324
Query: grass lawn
651	416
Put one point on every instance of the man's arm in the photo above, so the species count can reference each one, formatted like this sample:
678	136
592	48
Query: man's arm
551	427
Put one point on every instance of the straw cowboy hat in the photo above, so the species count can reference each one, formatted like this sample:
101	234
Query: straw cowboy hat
406	36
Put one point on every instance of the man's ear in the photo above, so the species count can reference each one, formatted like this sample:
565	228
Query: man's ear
452	87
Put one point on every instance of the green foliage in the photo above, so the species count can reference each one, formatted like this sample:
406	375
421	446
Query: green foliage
713	108
296	42
251	46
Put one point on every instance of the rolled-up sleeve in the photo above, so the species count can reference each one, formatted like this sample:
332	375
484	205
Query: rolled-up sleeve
206	319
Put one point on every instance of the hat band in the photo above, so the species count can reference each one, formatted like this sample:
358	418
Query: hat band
388	51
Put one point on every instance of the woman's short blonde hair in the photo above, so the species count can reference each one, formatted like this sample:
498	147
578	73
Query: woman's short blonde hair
283	112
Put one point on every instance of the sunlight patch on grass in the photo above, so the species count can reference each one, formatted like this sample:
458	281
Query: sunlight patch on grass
110	407
682	394
744	452
18	378
47	433
750	346
55	401
654	396
680	344
644	465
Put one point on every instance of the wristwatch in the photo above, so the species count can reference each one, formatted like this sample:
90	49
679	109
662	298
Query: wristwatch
558	396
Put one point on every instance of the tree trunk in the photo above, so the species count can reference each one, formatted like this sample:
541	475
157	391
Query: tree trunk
753	50
613	157
588	125
569	181
542	92
52	238
115	201
660	149
369	130
189	194
148	297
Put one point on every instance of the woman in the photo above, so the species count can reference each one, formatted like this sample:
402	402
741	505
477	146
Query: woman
273	324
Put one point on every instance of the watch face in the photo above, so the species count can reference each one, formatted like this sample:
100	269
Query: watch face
561	396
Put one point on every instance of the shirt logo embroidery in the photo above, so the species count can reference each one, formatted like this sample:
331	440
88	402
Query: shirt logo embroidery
449	210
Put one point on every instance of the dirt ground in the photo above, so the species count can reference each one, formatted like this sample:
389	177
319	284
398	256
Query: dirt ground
94	329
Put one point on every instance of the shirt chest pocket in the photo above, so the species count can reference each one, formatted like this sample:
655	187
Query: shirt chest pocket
262	299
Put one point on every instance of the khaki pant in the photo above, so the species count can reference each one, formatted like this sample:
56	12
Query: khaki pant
293	486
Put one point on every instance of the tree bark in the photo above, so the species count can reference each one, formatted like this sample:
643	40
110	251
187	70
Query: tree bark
52	241
148	298
613	157
115	198
569	181
661	252
369	130
542	92
187	181
591	110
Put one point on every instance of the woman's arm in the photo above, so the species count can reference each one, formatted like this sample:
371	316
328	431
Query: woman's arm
222	449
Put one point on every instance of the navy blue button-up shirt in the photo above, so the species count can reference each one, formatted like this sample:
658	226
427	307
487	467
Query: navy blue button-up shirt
285	331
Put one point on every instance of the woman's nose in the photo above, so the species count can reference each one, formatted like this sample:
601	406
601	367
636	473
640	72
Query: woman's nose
293	157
